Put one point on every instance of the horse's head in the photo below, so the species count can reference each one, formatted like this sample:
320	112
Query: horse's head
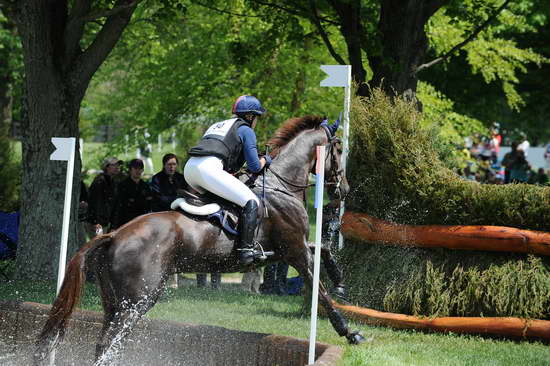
293	150
335	178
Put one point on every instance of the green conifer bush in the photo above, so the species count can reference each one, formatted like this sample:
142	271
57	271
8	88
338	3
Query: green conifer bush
398	172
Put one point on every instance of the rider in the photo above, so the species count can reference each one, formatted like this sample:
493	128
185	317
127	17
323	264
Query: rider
221	152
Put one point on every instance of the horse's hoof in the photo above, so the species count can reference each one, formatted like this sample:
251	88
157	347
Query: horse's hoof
355	338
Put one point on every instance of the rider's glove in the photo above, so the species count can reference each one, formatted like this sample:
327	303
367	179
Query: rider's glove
268	161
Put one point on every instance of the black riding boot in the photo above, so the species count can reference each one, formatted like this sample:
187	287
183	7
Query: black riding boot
248	223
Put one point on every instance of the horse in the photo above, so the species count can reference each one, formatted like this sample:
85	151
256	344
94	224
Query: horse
131	264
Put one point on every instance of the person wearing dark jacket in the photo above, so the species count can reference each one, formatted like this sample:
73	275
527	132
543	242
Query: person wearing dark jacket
134	196
101	196
166	183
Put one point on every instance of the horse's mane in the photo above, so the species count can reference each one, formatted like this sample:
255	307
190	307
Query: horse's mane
290	129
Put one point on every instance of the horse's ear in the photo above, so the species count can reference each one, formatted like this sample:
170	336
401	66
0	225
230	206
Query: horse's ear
334	127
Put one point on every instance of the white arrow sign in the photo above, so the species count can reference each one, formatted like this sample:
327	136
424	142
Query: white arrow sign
64	148
65	151
338	75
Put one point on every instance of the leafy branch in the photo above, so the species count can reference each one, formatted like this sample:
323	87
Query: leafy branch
470	38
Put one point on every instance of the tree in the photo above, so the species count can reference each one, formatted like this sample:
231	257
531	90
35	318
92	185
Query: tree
387	41
192	68
64	43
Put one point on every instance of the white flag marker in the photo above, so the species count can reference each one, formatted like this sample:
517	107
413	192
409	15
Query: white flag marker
319	185
65	151
340	75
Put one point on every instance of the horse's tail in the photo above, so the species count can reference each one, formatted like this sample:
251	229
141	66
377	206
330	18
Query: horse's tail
68	298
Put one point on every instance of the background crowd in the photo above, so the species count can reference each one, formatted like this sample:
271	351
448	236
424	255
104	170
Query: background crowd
484	165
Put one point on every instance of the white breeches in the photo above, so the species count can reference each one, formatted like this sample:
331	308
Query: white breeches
206	173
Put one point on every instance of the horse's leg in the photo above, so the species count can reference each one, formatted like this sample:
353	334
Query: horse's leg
121	324
124	306
334	273
304	265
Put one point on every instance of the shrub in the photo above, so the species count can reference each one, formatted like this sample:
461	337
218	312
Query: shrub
396	173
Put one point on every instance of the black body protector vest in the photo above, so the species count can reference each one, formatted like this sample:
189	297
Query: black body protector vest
222	141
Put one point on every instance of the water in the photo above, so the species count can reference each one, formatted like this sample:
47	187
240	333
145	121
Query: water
8	357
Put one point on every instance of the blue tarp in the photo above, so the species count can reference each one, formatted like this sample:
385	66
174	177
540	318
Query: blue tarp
9	225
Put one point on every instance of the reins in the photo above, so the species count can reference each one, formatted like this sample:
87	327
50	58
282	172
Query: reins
302	187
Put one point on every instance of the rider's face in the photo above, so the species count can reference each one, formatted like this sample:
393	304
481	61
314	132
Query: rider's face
254	122
170	166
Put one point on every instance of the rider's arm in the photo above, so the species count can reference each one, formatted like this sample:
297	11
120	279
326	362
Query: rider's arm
250	150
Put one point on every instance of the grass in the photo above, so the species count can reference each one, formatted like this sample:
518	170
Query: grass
232	308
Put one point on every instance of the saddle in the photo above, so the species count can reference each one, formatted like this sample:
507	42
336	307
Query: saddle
209	206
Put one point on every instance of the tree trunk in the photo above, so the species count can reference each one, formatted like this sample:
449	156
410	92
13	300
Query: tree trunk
57	74
403	45
51	109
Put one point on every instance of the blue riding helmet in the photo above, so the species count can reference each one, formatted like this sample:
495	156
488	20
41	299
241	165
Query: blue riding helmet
248	104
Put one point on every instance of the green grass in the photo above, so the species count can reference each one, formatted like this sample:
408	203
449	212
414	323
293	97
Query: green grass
232	308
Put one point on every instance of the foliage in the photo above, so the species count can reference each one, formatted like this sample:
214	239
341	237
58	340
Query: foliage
195	65
520	33
10	173
438	114
494	54
441	282
396	174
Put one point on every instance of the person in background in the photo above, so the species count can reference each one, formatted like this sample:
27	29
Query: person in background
145	151
275	279
166	183
524	145
520	168
541	178
215	280
496	139
134	196
101	197
508	160
547	156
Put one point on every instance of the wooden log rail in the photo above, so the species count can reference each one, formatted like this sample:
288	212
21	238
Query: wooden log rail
502	326
363	227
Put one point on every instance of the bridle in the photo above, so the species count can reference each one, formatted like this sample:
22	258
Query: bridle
334	175
335	172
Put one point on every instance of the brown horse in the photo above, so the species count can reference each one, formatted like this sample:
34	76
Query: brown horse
132	264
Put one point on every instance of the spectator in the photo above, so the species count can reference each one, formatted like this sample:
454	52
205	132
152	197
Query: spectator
251	280
507	161
540	178
145	150
215	280
101	197
275	279
83	203
486	149
134	196
495	145
547	156
524	146
166	183
520	168
83	229
165	186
